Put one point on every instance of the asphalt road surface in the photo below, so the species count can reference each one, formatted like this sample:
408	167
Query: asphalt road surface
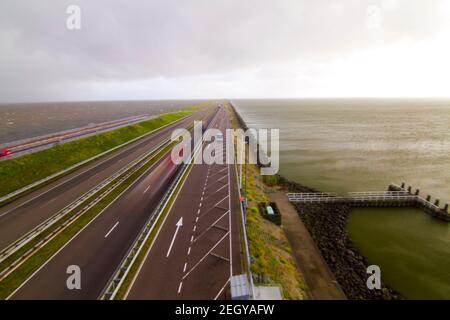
24	214
197	248
38	143
99	248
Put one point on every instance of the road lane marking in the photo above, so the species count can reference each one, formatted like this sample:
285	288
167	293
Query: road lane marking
180	286
221	201
221	290
47	202
207	254
221	188
146	189
212	225
189	251
185	266
179	224
111	230
230	222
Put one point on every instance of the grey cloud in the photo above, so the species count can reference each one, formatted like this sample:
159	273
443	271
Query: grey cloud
135	40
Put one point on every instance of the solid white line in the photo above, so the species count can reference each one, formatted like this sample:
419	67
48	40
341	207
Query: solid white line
212	225
221	290
204	257
229	222
122	149
223	198
220	188
114	226
76	235
130	287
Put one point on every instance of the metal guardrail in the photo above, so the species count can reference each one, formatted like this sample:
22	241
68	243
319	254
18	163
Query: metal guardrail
121	273
113	286
95	126
112	181
79	164
352	197
243	221
247	250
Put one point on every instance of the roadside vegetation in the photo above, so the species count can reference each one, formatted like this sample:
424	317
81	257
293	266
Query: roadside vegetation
32	263
19	172
271	259
270	252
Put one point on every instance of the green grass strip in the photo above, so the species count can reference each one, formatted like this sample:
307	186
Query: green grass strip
25	270
19	172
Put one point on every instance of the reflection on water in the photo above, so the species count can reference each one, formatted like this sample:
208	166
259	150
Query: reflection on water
363	145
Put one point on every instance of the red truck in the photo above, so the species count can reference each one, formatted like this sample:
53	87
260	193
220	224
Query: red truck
4	153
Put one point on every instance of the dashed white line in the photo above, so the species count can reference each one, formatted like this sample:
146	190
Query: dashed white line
147	189
180	286
185	266
189	251
192	239
195	228
111	230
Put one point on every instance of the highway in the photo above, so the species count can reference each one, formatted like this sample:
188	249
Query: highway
24	214
38	143
197	248
99	248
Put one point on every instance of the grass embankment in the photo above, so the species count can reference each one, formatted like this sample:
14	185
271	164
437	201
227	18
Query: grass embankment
270	251
22	171
26	269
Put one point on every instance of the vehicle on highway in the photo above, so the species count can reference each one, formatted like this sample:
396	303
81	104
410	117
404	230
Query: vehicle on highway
4	153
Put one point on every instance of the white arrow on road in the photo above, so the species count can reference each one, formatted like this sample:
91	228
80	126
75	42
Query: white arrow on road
179	224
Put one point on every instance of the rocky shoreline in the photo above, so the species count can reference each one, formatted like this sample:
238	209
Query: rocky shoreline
327	225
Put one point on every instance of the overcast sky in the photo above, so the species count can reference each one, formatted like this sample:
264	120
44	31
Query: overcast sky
172	49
